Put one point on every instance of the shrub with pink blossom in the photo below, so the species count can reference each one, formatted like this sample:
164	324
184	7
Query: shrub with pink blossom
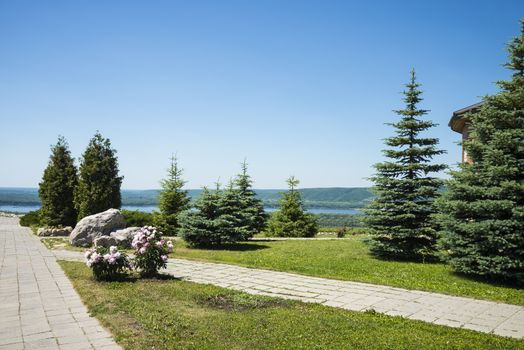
106	263
150	250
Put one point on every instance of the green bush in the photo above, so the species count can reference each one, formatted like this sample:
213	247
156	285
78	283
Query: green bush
137	218
32	218
107	263
150	251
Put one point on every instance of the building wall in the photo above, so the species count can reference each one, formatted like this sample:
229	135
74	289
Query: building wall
465	136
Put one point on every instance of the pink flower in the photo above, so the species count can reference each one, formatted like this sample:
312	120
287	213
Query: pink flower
112	260
142	250
164	258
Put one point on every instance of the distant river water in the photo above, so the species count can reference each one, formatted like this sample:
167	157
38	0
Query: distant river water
149	208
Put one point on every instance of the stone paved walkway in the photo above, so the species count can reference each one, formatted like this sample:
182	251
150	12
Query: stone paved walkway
478	315
39	309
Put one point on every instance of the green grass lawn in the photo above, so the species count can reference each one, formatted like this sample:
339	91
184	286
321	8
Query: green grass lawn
349	259
344	259
169	314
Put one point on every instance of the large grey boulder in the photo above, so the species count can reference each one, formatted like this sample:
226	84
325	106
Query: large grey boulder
93	226
54	232
105	241
125	236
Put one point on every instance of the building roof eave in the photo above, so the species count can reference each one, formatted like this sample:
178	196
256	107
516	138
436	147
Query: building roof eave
457	121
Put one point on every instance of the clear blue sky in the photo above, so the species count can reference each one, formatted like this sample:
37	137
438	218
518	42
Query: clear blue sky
297	87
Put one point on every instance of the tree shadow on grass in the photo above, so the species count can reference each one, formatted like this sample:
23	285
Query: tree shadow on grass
240	247
136	277
160	277
120	278
493	281
426	261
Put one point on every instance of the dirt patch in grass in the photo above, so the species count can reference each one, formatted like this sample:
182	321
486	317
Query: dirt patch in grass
170	314
241	302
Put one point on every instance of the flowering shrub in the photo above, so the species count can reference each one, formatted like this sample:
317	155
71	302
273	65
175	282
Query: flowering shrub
106	263
150	250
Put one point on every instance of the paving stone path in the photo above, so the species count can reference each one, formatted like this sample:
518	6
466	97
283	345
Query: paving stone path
39	309
479	315
459	312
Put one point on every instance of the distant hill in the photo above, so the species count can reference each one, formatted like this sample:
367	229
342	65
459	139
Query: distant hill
330	197
19	196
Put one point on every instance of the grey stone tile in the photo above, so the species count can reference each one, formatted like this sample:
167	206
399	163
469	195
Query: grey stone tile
38	336
76	346
14	346
36	299
45	292
49	343
9	340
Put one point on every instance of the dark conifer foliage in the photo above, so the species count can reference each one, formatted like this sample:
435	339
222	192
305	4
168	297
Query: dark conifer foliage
99	183
172	200
57	188
224	215
200	227
401	217
483	209
232	222
251	209
291	220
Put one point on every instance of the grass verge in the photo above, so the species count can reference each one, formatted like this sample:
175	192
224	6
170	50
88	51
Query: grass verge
169	314
60	243
349	259
344	259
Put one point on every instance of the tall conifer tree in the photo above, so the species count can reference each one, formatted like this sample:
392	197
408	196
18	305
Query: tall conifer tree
57	188
172	199
401	216
99	183
483	209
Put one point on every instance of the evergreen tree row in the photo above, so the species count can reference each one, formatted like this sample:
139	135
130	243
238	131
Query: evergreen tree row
478	223
224	215
483	208
68	194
